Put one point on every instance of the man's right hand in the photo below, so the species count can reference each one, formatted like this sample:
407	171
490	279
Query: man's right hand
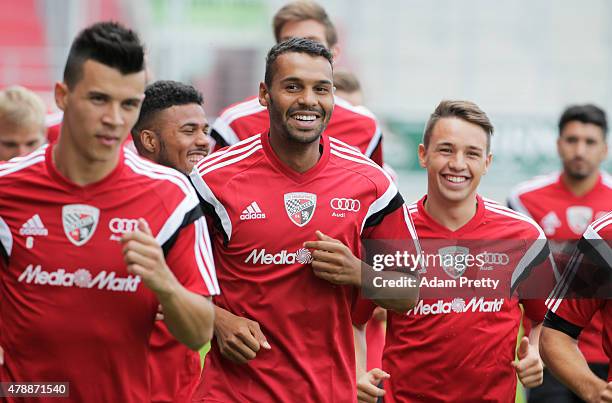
239	339
367	386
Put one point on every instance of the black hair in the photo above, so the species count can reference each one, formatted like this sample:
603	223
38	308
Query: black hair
587	113
162	95
108	43
294	45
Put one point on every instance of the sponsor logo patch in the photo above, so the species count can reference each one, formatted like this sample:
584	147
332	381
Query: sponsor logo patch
453	254
261	256
81	278
579	218
252	212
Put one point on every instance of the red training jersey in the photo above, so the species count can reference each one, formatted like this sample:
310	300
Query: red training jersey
564	216
572	315
354	125
263	213
459	348
70	310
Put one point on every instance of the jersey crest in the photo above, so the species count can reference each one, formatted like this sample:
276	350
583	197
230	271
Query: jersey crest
578	218
300	207
80	222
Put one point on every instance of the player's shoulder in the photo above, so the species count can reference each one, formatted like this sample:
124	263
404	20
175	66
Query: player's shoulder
31	164
535	184
600	228
242	109
351	159
521	224
231	160
606	180
149	175
356	111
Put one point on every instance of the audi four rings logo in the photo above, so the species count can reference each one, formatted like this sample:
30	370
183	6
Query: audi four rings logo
495	258
123	225
345	204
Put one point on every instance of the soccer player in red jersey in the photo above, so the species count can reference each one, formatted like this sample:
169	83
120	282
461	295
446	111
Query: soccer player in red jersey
354	125
93	238
564	204
283	203
172	130
22	122
568	315
458	345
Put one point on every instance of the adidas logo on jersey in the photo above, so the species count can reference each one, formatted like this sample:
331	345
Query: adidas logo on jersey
33	227
252	212
457	305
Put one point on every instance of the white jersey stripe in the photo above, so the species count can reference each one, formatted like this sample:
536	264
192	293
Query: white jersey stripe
9	167
374	142
6	238
602	225
225	131
207	194
568	276
232	160
238	149
536	183
204	258
147	168
242	109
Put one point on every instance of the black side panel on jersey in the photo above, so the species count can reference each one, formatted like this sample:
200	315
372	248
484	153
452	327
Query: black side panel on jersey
554	321
585	246
4	254
393	205
218	139
209	211
189	218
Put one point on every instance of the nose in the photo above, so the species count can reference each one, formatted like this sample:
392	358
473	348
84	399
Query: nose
457	162
113	115
308	98
581	148
23	150
202	139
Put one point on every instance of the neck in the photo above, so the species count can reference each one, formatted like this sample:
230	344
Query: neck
450	214
298	156
580	187
73	165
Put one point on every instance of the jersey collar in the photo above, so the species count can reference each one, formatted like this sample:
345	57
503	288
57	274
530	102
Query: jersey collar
464	230
287	171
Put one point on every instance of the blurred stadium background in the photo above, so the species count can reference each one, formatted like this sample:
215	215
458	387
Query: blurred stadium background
521	61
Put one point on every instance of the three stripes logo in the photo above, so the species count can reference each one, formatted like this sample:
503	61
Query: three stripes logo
252	212
33	227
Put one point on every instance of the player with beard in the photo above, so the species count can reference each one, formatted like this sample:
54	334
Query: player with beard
284	204
456	344
356	126
172	130
93	238
564	203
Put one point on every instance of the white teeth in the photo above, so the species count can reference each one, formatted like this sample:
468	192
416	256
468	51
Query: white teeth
456	179
307	118
195	158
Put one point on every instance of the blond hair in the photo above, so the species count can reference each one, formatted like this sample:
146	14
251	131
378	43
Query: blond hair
20	107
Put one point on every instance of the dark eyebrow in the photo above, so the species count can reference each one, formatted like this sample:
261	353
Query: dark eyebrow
297	79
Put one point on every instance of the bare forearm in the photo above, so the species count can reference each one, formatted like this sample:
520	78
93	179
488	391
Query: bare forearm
359	336
398	299
189	317
561	355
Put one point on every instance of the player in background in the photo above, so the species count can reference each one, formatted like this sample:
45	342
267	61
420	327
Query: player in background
93	238
462	349
353	125
172	130
569	315
564	203
22	122
284	204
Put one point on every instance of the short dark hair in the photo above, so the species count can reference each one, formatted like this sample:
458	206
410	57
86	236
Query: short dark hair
108	43
303	10
587	113
346	81
464	110
294	45
162	95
